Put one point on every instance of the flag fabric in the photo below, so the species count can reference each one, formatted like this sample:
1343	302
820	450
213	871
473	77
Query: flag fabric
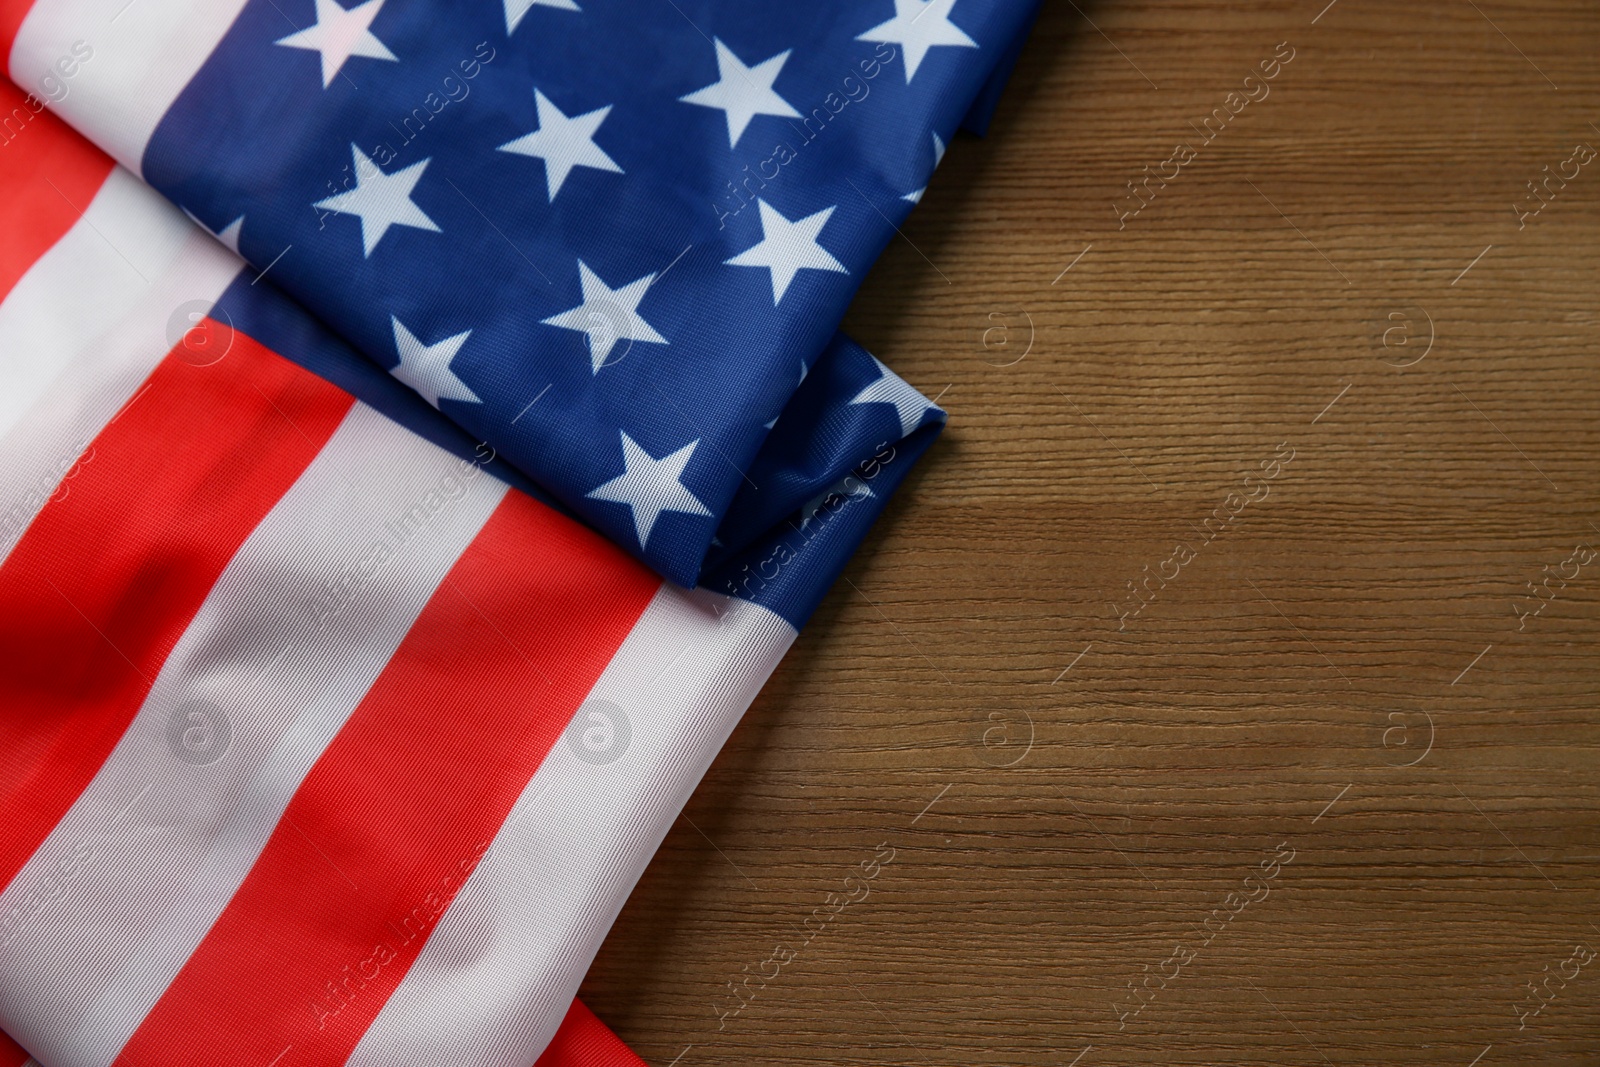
613	238
345	700
326	736
315	727
238	605
582	1040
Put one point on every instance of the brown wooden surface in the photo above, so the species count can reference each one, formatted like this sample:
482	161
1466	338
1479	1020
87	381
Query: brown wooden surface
1358	619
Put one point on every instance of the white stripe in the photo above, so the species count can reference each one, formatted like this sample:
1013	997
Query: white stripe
500	971
142	54
84	327
153	850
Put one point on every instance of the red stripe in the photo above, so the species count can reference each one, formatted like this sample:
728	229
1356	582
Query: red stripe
48	175
398	809
12	12
585	1041
11	1053
109	574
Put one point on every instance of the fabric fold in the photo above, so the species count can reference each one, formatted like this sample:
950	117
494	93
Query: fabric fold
349	701
319	712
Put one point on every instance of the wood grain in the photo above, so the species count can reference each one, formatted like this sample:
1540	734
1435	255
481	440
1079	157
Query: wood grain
1345	673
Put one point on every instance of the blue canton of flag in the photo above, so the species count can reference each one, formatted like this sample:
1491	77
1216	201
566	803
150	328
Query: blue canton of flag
613	238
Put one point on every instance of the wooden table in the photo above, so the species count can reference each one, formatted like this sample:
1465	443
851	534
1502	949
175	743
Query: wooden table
1222	688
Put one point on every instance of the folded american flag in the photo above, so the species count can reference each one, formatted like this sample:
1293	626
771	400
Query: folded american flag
331	736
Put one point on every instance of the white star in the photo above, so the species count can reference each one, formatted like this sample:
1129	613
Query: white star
938	157
786	248
563	142
890	388
743	92
426	368
515	9
340	34
228	235
607	315
650	486
381	200
918	26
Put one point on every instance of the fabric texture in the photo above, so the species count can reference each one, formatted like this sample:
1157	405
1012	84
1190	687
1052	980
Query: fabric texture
297	706
611	239
346	698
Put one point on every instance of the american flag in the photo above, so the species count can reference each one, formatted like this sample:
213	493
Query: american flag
396	518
